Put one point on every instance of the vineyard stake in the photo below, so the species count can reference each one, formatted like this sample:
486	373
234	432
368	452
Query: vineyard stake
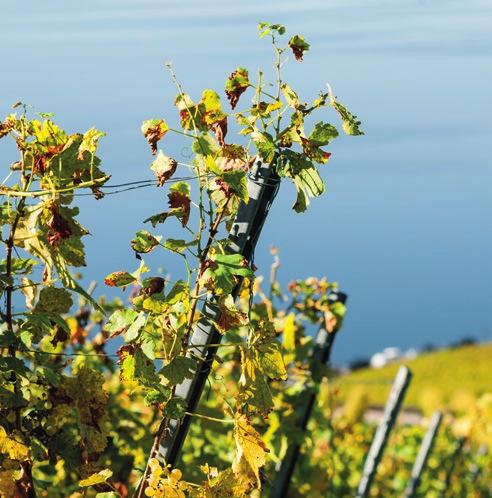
263	185
454	457
321	354
385	426
476	469
423	454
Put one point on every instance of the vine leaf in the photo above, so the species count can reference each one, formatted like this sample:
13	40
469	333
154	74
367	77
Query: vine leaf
54	300
120	321
350	124
144	242
226	484
250	455
153	130
230	317
96	478
266	28
323	134
236	85
298	46
221	270
175	408
305	176
265	144
254	387
13	449
90	141
180	202
163	167
119	279
179	369
290	96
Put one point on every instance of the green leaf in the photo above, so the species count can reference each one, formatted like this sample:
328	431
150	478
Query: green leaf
54	300
350	124
157	396
306	178
179	369
219	276
144	242
266	28
178	245
97	478
108	494
237	182
133	330
22	266
175	408
137	367
265	145
205	145
178	292
323	133
149	343
120	320
157	218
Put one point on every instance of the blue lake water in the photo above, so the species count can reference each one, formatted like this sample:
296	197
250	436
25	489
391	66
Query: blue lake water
403	225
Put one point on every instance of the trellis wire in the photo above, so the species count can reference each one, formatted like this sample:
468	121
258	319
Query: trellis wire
380	439
423	454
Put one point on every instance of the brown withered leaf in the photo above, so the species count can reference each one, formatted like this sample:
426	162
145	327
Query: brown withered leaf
180	201
220	130
153	130
59	227
164	167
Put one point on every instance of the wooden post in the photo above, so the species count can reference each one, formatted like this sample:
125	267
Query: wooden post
380	439
423	454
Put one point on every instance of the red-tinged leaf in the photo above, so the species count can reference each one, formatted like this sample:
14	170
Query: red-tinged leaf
236	85
298	46
180	202
59	227
153	130
119	279
220	130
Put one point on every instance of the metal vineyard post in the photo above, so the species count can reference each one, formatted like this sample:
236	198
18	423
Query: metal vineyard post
385	426
263	184
321	354
423	454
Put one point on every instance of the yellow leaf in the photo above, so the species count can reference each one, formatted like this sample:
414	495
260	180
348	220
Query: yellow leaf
12	448
289	335
97	478
250	455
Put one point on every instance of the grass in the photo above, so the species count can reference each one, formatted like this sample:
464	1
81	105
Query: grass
450	378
